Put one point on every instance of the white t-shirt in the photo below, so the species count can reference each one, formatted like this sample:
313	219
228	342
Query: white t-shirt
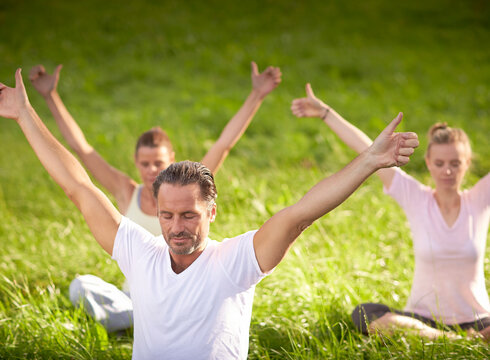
203	312
449	281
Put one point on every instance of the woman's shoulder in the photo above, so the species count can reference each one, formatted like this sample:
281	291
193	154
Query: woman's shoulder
406	180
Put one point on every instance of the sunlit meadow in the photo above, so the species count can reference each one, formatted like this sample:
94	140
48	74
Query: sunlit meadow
129	66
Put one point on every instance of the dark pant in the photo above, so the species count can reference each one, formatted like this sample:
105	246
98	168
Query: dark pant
365	313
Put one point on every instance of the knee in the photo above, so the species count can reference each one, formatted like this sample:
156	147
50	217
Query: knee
78	288
76	291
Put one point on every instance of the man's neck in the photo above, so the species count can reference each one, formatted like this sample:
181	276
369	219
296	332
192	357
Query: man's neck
182	262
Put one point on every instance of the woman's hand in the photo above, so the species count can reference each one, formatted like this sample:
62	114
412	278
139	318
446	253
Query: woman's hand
310	106
43	82
263	83
13	100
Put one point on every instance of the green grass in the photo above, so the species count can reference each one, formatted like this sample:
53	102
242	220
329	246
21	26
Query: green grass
185	65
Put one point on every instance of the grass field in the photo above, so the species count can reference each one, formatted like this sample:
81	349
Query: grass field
185	66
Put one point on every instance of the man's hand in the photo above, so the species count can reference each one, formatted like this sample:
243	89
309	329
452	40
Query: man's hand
267	81
43	82
310	106
393	149
13	100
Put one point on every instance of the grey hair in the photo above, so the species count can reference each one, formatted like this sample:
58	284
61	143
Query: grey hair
186	173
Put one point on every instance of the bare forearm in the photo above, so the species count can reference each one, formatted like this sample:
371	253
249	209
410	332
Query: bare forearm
67	125
335	189
232	132
348	133
109	177
276	236
101	216
60	164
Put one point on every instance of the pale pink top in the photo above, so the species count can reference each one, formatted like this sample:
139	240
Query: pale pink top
448	282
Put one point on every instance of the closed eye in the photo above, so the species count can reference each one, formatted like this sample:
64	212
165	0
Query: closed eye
165	216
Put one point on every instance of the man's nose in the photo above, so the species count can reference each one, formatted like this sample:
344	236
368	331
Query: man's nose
177	226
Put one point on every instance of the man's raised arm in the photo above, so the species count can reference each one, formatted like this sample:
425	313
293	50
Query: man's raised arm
115	181
274	238
102	217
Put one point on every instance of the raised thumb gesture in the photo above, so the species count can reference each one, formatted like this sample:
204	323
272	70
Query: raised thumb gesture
310	106
391	148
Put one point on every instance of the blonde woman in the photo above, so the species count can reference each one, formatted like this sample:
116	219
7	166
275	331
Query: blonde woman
449	230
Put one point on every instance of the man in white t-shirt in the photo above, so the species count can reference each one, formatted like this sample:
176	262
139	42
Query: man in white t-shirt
192	296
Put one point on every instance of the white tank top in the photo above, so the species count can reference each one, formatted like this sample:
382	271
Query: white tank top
134	213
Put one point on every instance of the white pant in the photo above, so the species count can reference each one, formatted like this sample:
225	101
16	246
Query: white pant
103	301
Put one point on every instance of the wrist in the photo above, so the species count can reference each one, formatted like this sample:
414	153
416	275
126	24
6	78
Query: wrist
25	111
325	112
50	95
257	94
372	160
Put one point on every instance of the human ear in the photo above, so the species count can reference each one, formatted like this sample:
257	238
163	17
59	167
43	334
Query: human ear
212	216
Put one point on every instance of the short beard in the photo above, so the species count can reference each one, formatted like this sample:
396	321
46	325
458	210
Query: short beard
196	241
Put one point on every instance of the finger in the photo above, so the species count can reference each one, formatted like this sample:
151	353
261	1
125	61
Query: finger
57	70
309	91
36	71
297	113
393	124
255	68
18	79
413	143
295	108
410	135
406	151
297	102
2	86
402	160
277	72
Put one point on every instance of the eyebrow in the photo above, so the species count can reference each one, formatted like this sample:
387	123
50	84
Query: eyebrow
180	213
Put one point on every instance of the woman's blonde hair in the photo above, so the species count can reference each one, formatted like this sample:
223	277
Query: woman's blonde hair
441	133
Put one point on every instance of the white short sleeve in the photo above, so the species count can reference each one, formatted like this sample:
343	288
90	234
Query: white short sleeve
237	256
132	242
